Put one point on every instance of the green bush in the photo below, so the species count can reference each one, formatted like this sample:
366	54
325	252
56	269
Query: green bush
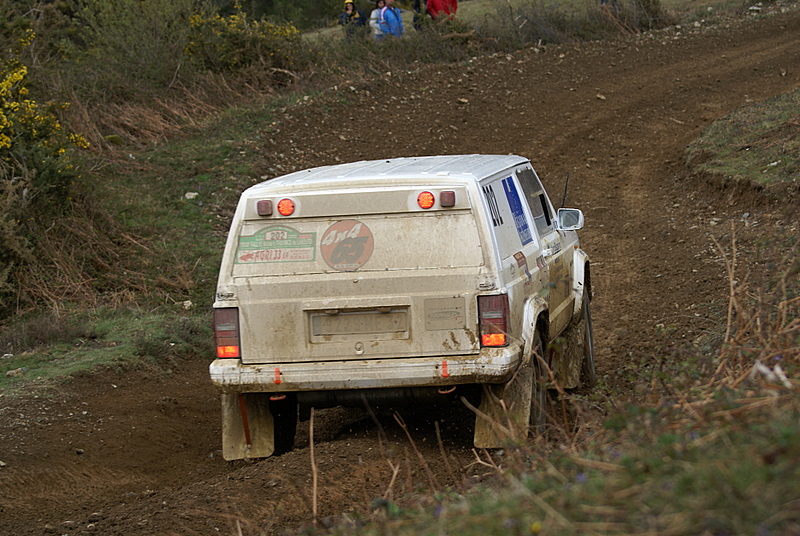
44	330
127	45
223	44
36	172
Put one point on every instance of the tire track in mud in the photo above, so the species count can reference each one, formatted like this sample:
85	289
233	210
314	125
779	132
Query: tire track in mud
21	489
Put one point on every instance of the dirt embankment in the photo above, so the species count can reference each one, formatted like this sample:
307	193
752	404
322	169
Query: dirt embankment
132	454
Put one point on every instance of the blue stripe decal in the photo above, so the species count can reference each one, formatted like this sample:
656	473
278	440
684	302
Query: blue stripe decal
515	203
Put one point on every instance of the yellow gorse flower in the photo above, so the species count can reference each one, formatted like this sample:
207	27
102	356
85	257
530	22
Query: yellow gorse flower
23	122
227	43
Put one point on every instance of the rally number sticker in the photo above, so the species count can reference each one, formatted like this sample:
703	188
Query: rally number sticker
277	243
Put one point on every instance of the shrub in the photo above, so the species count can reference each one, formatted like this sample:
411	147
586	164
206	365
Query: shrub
130	46
36	171
537	22
46	329
223	44
636	16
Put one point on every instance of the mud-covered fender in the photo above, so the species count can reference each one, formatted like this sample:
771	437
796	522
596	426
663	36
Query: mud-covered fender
580	279
504	413
505	409
534	307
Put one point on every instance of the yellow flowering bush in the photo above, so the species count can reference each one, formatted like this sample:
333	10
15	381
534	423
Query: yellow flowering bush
35	169
32	140
231	43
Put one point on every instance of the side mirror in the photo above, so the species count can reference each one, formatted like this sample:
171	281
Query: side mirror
569	219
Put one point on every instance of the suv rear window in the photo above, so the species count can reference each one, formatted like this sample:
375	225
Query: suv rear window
404	241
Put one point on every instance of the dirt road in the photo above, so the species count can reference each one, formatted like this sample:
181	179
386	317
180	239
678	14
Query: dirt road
126	454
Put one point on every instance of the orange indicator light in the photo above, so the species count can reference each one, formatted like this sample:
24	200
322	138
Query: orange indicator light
285	207
425	200
227	351
493	339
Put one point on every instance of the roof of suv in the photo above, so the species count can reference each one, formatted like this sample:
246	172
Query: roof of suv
433	169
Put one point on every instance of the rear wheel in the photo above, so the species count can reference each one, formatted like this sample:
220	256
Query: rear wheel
538	419
588	373
284	422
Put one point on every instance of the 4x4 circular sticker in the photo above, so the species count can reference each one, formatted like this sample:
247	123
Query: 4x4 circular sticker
347	245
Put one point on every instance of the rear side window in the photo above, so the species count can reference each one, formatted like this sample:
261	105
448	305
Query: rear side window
537	201
510	222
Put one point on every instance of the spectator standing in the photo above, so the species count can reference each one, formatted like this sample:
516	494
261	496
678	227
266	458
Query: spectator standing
419	14
351	18
391	21
442	9
375	20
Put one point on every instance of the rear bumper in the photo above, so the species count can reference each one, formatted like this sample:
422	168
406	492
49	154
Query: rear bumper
495	365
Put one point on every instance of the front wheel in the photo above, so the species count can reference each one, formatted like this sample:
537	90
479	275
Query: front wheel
588	372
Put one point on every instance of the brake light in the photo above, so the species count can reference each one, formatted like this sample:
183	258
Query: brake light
447	198
493	317
425	200
226	332
264	207
285	207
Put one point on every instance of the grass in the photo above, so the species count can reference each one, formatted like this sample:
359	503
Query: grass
181	188
723	478
481	12
757	145
173	246
712	449
42	351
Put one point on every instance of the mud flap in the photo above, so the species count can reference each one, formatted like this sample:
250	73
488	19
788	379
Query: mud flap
256	425
568	356
505	410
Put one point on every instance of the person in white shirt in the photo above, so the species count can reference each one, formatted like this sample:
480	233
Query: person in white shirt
375	20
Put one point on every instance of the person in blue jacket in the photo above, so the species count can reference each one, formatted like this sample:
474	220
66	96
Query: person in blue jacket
391	21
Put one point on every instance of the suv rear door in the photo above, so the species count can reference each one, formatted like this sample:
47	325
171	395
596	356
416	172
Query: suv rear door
366	274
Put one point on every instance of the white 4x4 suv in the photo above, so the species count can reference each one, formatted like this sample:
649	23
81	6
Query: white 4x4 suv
411	278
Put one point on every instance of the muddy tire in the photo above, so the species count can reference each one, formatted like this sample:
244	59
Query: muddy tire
588	372
538	419
284	415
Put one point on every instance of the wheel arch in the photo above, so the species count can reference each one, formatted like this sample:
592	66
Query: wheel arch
536	317
582	281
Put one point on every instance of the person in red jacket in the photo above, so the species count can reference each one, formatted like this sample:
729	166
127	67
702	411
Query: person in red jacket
439	9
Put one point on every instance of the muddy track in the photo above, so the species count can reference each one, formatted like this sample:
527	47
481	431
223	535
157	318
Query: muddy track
135	454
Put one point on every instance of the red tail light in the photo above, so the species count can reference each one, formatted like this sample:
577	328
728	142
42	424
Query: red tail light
264	207
493	316
226	332
447	199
